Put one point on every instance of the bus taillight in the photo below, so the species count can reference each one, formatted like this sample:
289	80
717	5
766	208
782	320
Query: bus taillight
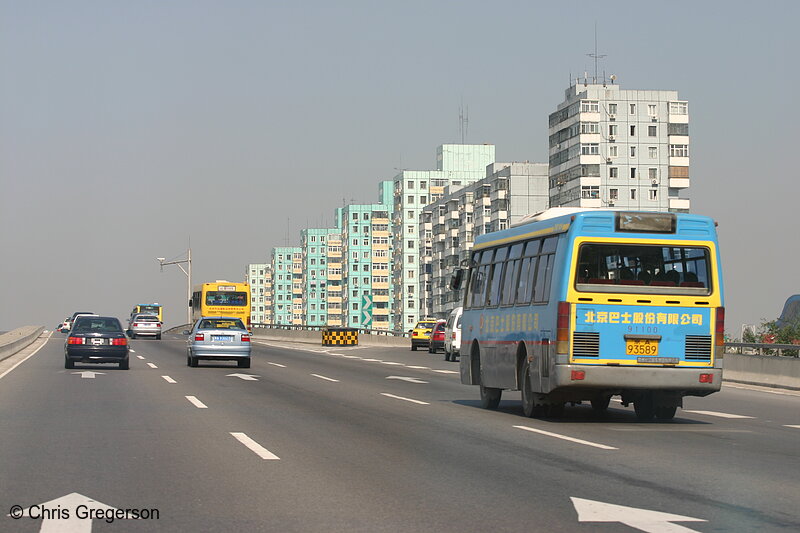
719	333
562	328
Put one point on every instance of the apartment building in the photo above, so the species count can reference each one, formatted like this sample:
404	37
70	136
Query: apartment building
448	227
287	272
365	259
314	242
456	165
611	147
259	277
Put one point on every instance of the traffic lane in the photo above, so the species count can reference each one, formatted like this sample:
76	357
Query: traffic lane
671	448
675	444
127	440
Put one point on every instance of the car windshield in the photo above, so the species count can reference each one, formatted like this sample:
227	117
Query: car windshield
97	324
221	323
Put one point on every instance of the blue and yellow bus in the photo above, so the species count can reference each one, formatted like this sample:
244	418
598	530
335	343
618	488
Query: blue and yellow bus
574	305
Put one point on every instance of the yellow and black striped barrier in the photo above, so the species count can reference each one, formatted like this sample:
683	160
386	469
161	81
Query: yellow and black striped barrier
340	337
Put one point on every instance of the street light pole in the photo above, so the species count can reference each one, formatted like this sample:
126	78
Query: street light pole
188	261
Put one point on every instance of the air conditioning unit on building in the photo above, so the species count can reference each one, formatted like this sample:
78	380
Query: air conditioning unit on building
611	138
654	118
608	160
654	181
612	116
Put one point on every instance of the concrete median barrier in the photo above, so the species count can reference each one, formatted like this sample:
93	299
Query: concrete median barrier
16	340
764	370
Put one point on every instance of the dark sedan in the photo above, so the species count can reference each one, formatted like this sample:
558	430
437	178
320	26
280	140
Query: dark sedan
96	339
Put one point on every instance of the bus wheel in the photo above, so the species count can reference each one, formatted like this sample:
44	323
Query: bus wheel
644	407
666	412
528	402
600	405
490	397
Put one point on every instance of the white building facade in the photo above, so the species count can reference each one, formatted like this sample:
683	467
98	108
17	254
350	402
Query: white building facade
619	148
456	164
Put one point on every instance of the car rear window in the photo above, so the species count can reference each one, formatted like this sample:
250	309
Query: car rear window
146	318
221	323
424	325
97	324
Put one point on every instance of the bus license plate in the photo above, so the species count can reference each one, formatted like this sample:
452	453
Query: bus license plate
641	347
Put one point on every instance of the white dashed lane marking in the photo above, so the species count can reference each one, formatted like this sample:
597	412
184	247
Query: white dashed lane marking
197	403
564	437
715	413
151	365
404	399
325	378
169	379
255	447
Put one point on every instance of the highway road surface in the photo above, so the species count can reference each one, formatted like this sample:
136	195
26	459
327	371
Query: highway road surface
367	439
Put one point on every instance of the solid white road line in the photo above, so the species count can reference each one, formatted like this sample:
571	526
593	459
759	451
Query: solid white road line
714	413
255	447
151	365
197	403
276	364
418	367
169	379
26	357
564	437
404	399
391	363
791	426
373	360
325	378
140	357
445	371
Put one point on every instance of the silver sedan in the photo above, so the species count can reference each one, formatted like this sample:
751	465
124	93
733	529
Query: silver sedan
218	338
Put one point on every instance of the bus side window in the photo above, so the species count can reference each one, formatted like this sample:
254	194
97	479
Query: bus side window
497	276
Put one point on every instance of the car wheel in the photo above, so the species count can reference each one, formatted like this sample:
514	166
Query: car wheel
133	335
124	365
158	337
68	363
446	355
244	363
490	397
666	412
413	347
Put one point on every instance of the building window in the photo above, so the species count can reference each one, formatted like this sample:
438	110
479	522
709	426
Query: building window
365	229
590	106
652	131
678	172
652	152
613	151
366	216
410	199
590	127
653	194
631	109
633	194
423	185
633	172
633	151
651	110
679	150
613	172
612	109
590	149
612	129
652	173
633	130
410	185
410	245
423	200
355	216
678	108
613	194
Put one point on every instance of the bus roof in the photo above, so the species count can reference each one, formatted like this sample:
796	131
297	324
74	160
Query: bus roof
604	222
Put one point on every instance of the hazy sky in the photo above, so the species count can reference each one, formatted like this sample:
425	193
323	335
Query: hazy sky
128	127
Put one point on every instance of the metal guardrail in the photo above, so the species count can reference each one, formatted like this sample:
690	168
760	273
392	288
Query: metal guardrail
760	348
361	331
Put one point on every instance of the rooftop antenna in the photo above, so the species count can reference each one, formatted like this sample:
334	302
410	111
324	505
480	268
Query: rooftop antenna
463	121
595	55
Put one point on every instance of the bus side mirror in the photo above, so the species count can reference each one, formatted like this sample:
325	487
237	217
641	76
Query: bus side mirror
190	302
458	277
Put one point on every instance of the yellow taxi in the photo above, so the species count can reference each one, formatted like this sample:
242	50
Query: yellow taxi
421	334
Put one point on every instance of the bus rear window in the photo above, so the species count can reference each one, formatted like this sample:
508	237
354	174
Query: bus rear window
226	298
643	269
